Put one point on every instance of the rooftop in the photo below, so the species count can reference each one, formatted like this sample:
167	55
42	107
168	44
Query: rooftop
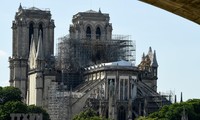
91	11
122	64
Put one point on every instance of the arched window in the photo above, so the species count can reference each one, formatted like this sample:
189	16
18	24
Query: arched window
40	29
98	33
88	32
31	32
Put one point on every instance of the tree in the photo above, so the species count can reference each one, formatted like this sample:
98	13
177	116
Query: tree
145	118
35	109
11	102
12	107
9	94
175	111
88	114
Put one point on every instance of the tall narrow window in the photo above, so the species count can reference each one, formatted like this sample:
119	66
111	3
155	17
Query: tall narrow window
98	33
111	87
40	29
126	89
88	33
121	89
31	32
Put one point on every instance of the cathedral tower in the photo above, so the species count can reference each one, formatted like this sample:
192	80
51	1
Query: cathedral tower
91	25
26	27
149	69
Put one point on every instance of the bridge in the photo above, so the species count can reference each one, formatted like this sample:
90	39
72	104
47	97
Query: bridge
188	9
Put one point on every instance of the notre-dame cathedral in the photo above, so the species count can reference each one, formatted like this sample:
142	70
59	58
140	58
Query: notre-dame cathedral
92	67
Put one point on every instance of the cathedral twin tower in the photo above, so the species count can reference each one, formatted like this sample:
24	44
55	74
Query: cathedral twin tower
33	43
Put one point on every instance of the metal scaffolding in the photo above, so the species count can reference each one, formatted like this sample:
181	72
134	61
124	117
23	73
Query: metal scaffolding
75	54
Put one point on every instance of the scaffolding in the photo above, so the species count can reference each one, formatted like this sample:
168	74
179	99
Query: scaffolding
87	52
75	54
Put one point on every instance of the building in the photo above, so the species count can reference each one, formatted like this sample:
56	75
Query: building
92	67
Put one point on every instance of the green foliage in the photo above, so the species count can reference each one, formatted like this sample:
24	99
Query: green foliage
174	111
88	114
35	109
145	118
11	107
10	102
9	94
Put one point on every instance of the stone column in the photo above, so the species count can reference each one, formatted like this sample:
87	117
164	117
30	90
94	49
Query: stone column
129	109
24	41
39	89
116	95
111	103
23	76
15	39
11	66
130	89
106	87
50	45
119	89
128	83
44	41
16	73
18	41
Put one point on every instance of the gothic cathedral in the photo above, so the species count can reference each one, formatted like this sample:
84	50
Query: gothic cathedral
92	68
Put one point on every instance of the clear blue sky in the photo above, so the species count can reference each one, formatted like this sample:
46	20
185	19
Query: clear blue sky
175	39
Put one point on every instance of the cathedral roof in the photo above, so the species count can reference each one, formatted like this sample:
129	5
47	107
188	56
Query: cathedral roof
91	15
119	63
33	8
32	12
91	11
122	63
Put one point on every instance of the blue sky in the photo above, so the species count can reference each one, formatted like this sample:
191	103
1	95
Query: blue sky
175	39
